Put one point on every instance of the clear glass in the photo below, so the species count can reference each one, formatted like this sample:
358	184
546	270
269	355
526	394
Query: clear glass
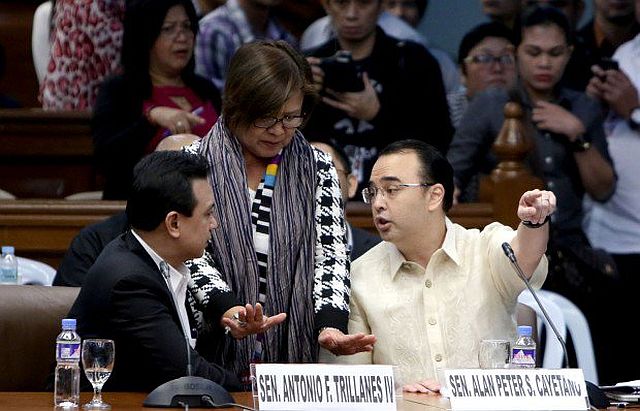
97	360
494	354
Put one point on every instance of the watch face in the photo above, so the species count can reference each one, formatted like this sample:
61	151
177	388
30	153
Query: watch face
635	115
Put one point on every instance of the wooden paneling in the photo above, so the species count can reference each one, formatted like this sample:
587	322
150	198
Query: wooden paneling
46	154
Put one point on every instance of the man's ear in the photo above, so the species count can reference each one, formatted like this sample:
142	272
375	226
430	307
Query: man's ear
352	183
172	224
436	198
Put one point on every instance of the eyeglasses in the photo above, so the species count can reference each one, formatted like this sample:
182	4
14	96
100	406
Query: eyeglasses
488	59
388	192
287	121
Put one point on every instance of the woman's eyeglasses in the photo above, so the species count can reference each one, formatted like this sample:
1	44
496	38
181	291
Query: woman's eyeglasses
287	121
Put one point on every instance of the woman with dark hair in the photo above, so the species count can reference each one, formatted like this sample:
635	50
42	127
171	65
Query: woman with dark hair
158	93
281	241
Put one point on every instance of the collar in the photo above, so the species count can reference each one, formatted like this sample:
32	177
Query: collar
181	269
396	259
560	97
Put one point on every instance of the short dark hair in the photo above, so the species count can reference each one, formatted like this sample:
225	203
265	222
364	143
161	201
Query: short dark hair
262	76
422	7
161	184
341	155
476	35
142	24
546	16
435	167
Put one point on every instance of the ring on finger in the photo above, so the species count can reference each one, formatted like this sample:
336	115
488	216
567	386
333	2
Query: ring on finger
236	318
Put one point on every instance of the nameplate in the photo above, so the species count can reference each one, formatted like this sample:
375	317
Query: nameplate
323	386
516	389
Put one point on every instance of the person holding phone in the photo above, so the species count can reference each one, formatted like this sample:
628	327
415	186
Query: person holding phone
615	225
402	94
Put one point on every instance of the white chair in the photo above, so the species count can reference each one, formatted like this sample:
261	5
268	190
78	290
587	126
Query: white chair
580	335
35	272
85	195
41	39
553	355
5	195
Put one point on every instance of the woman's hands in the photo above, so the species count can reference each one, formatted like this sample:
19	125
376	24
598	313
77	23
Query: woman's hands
557	119
174	119
242	321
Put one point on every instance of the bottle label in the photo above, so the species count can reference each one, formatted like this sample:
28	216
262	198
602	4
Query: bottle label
9	275
68	351
523	357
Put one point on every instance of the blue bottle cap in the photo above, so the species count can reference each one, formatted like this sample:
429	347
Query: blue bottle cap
8	249
524	330
69	324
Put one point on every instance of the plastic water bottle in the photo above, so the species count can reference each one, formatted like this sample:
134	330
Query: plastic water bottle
8	266
523	351
67	376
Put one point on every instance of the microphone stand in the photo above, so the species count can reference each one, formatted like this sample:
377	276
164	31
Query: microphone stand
508	251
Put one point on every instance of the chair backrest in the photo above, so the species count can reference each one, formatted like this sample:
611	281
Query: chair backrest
30	318
41	39
553	355
35	272
580	335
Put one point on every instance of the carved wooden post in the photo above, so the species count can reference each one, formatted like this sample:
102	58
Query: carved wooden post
511	177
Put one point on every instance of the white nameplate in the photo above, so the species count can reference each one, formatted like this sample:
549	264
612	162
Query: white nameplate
323	386
516	389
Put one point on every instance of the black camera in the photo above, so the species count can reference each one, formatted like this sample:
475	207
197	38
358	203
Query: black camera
341	73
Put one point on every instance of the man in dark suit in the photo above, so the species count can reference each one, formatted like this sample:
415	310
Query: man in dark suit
135	293
359	240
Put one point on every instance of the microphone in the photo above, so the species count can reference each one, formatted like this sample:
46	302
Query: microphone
188	391
508	251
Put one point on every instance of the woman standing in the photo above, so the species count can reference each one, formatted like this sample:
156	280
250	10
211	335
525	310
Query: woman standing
282	237
158	93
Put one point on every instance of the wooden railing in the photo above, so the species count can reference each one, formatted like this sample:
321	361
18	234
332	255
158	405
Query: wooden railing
46	154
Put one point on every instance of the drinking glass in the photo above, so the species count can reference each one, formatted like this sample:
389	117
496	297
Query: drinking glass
494	354
97	360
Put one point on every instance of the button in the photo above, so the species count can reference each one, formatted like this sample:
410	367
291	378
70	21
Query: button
428	283
548	159
432	321
406	266
547	135
438	357
550	185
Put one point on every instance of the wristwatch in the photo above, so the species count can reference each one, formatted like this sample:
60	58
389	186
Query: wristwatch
634	119
580	145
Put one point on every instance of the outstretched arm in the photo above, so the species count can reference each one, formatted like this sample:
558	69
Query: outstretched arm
530	242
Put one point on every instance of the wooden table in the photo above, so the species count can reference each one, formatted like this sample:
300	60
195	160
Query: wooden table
38	401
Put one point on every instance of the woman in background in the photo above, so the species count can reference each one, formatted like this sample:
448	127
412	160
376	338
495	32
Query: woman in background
158	93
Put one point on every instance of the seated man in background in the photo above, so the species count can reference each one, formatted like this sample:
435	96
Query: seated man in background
432	290
396	88
359	241
135	293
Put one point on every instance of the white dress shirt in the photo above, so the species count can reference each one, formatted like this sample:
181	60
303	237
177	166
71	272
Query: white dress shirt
429	320
177	283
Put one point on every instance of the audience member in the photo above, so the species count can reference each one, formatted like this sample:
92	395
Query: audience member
615	226
157	95
359	241
487	59
228	27
402	91
570	155
86	42
322	30
613	24
135	293
282	241
573	9
432	290
506	12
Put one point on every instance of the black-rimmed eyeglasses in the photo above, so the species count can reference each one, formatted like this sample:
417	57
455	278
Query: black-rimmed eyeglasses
488	59
389	192
287	121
